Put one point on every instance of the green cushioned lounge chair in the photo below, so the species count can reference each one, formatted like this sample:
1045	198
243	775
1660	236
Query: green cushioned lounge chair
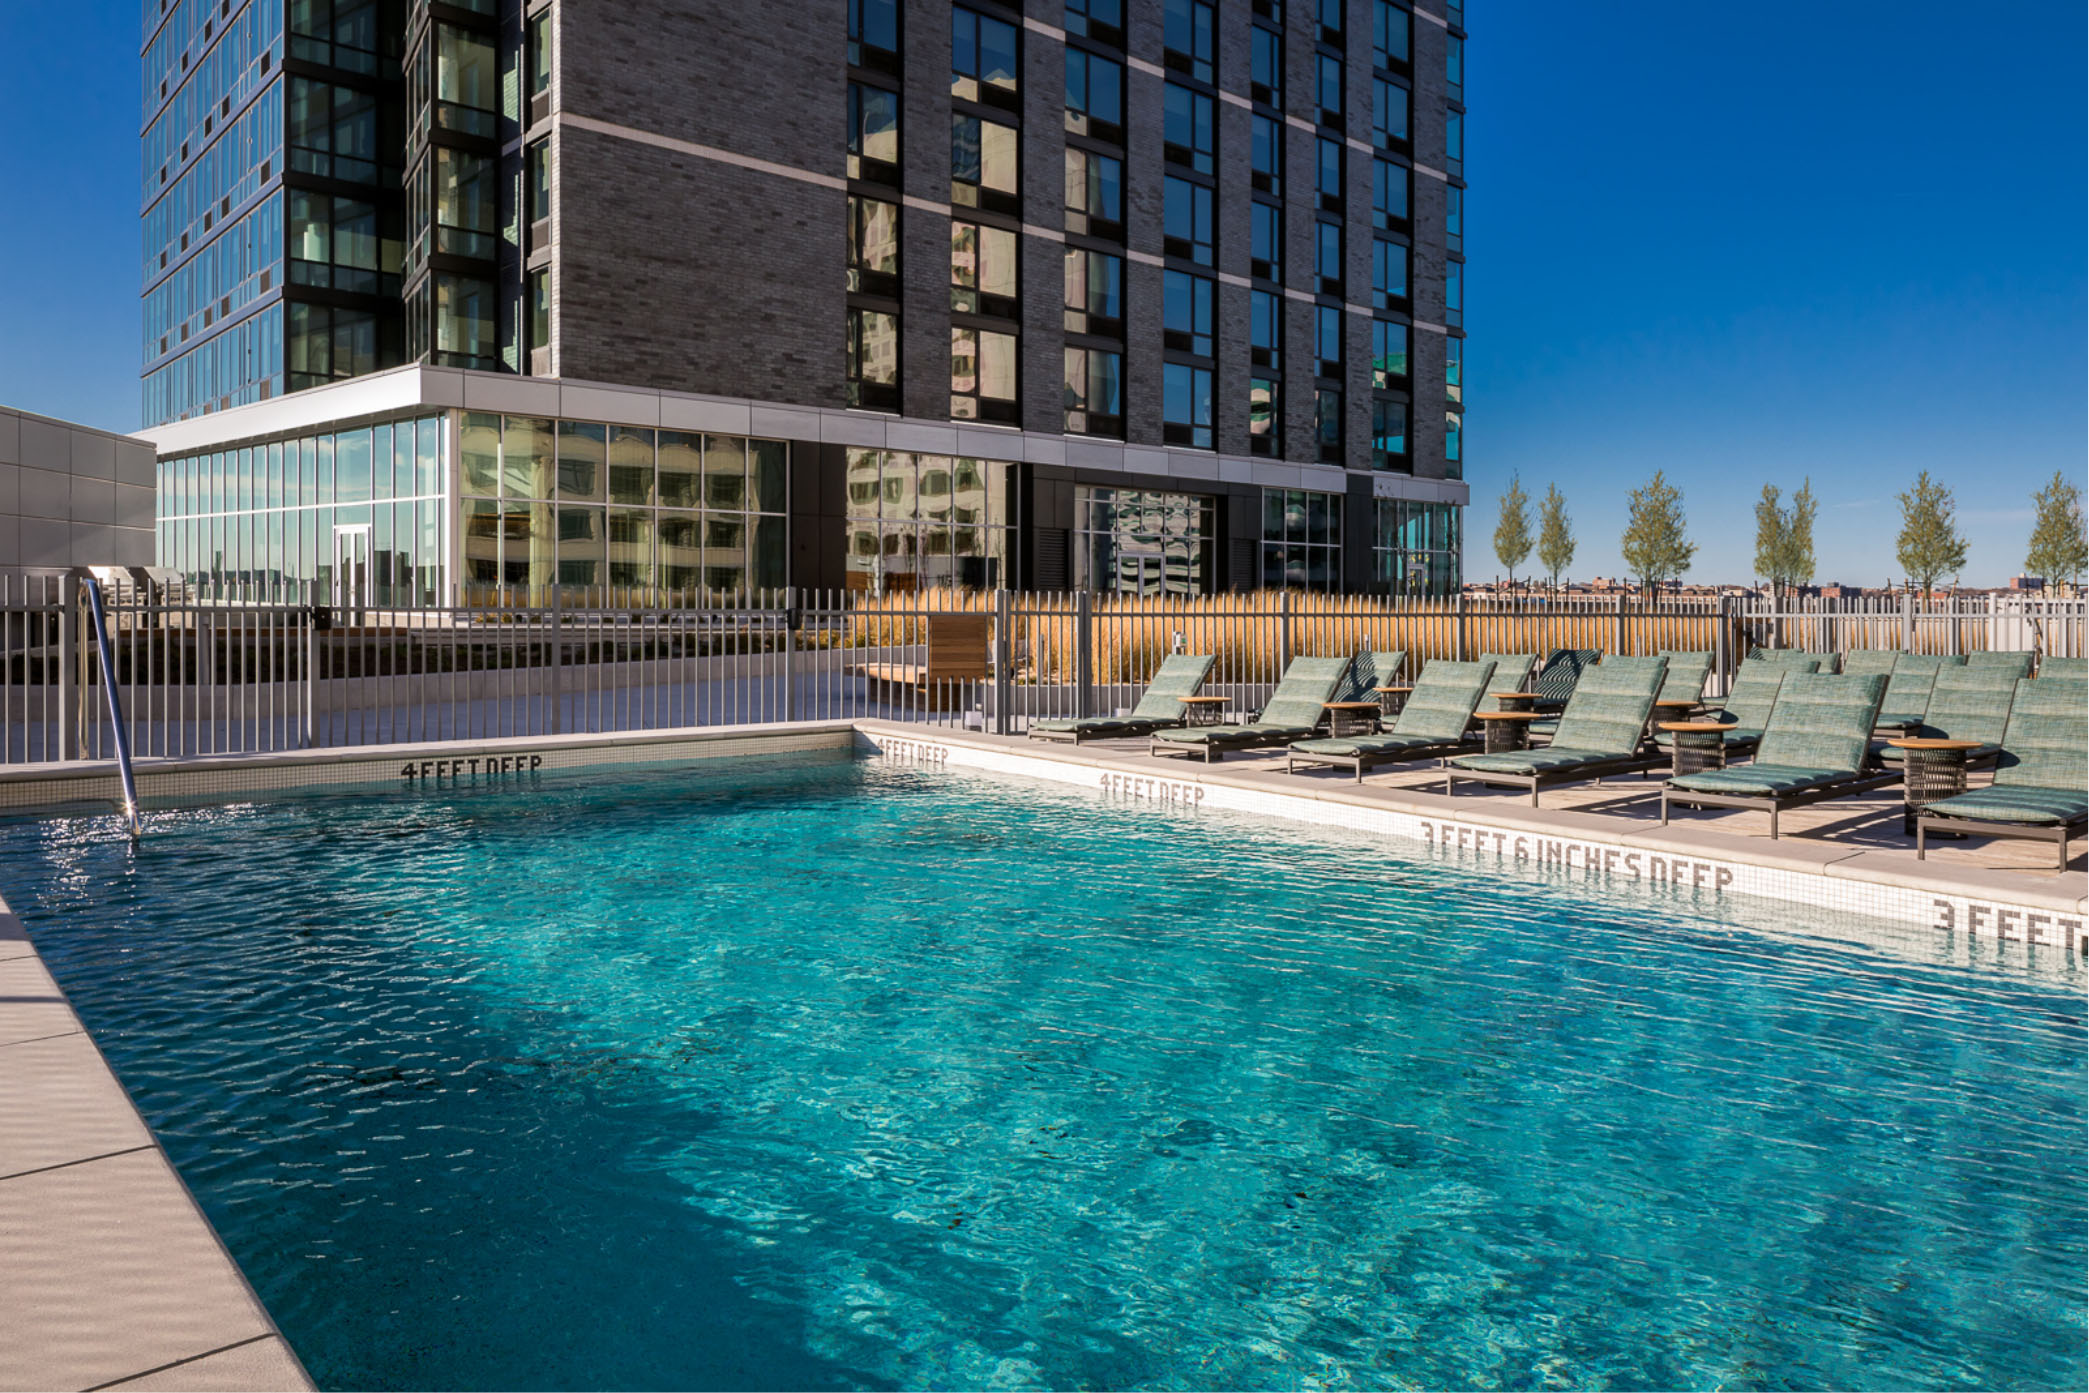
1967	703
1370	671
1816	746
1687	671
1180	675
1511	674
1601	733
1908	689
1863	662
1432	723
1294	712
2017	661
1747	707
2039	791
1562	673
1792	659
2070	669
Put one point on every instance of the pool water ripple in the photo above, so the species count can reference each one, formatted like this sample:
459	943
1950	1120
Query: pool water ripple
835	1074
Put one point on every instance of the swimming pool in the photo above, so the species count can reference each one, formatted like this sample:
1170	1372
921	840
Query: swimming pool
829	1073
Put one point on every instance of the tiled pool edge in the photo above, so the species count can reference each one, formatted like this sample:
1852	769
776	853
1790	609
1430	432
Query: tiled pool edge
1812	873
113	1277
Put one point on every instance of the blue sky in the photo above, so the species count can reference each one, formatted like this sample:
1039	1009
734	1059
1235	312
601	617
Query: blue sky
1742	244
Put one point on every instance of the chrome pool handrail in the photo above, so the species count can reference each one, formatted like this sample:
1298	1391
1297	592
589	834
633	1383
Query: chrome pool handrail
132	821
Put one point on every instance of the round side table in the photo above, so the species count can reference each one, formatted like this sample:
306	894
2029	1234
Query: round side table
1392	700
1931	770
1507	731
1347	718
1515	701
1698	746
1203	710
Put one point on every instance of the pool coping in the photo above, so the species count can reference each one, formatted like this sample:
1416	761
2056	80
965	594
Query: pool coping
1980	901
114	1277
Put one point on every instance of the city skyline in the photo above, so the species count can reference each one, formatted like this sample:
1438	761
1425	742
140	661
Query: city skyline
1691	330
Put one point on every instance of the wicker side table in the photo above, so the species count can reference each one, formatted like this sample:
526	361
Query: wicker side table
1392	700
1507	731
1203	710
1347	718
1515	701
1699	745
1931	770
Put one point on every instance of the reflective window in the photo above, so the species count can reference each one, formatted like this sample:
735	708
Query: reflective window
1186	312
1327	178
1389	436
1265	416
873	134
1187	222
1390	103
1102	20
1327	341
1454	368
540	41
982	375
1094	293
1454	217
1389	262
1391	190
1094	95
1454	444
1187	31
1391	35
1266	153
1266	241
332	131
1265	329
983	269
1329	88
1331	21
1186	405
873	360
874	33
1415	547
873	246
1388	354
1301	539
983	164
1327	257
1095	391
1186	120
1327	424
1454	136
1141	542
1094	194
1266	66
983	59
920	521
1454	292
1454	60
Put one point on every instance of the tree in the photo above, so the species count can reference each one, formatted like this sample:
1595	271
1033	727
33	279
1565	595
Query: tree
2059	550
1555	535
1512	533
1929	545
1655	545
1784	537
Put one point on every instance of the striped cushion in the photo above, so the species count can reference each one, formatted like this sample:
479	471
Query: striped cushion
2016	661
1553	759
1610	707
1441	705
2046	744
1301	698
1180	675
1687	671
2034	806
1822	722
1511	673
1759	780
1370	671
1969	703
1369	745
1255	732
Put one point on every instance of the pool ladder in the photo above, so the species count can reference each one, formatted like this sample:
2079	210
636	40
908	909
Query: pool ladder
132	821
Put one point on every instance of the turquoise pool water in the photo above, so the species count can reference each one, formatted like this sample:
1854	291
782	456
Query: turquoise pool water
832	1074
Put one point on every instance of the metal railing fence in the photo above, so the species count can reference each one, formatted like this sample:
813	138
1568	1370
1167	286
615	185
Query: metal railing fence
200	676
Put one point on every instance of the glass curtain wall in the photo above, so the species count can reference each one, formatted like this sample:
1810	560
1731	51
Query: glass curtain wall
617	516
919	522
1301	540
353	517
1416	547
1140	542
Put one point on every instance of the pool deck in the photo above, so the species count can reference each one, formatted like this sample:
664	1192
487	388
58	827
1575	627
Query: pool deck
1846	854
110	1275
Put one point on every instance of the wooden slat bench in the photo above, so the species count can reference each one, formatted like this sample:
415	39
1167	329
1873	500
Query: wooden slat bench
956	656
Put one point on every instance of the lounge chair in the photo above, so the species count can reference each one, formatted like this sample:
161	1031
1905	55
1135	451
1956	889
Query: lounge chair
1555	683
1816	746
1792	659
1601	733
1863	662
1908	689
1511	674
2038	792
1967	703
2069	669
1687	671
1370	671
1180	675
1433	722
1747	707
1294	712
2016	660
